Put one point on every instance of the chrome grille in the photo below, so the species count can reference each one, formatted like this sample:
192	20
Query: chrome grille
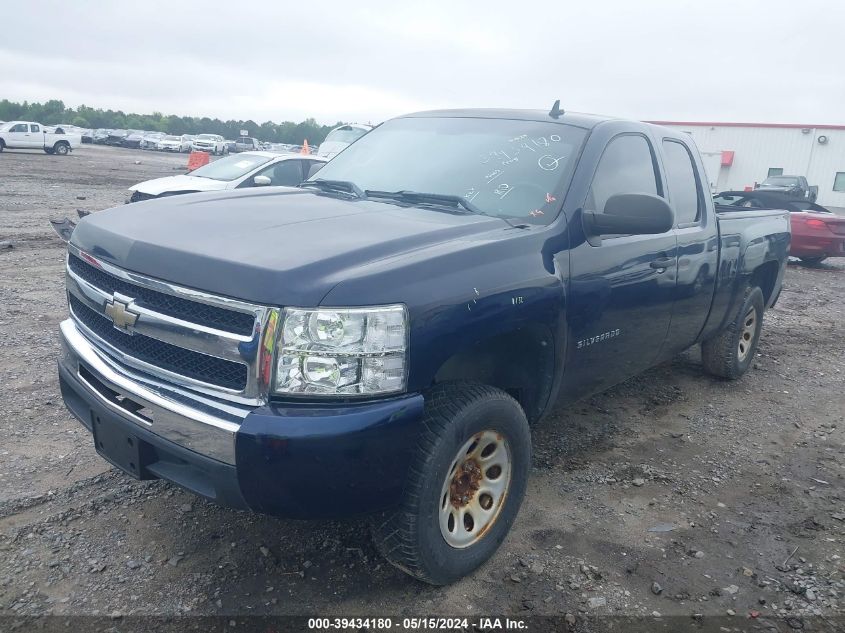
214	371
208	343
212	316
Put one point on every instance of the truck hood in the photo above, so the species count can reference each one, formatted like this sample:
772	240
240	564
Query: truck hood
159	186
278	246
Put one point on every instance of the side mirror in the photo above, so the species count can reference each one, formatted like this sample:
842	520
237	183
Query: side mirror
262	181
315	167
630	214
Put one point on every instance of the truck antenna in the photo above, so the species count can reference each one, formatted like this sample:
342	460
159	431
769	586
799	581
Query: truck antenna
555	112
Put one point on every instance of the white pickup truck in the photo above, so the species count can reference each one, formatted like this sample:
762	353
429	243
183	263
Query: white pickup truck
32	135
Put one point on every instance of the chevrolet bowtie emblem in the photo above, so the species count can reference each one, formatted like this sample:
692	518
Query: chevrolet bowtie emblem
120	315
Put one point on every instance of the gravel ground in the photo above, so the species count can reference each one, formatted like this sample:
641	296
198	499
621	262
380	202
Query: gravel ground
673	494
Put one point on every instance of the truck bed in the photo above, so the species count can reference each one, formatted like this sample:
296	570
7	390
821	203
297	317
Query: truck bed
750	241
726	210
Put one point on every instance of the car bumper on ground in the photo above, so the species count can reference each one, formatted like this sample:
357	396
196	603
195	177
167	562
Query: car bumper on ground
817	246
294	460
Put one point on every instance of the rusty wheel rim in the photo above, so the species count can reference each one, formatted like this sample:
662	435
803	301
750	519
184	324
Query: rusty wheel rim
475	488
746	337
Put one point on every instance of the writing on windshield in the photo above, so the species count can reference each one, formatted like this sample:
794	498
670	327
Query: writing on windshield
505	167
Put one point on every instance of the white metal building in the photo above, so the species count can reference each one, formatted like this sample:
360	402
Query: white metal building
737	155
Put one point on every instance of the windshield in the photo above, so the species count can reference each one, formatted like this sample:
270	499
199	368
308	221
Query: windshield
172	138
207	137
345	134
781	181
503	167
231	167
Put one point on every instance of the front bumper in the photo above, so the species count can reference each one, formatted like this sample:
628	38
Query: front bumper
294	460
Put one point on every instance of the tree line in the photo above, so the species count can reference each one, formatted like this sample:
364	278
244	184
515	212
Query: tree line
54	111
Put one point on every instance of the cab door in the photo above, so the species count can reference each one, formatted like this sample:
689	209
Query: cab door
36	136
620	291
18	135
698	244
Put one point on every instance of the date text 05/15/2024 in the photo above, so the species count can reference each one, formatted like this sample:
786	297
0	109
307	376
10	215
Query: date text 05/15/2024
417	624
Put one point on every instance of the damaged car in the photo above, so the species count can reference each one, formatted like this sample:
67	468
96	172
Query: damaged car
248	169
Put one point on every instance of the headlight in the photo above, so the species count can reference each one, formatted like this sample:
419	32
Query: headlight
329	351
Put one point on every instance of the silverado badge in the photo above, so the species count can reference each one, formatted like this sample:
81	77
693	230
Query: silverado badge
120	315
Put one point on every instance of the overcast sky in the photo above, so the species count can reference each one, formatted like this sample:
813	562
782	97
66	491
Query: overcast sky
719	60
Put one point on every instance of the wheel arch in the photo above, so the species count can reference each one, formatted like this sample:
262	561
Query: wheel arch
520	362
765	277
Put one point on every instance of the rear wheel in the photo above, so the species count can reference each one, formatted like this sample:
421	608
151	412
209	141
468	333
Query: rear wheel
465	485
61	148
730	353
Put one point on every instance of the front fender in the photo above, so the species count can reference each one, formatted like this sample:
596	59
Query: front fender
473	304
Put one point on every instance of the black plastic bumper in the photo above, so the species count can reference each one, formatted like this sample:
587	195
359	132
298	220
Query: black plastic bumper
158	458
301	461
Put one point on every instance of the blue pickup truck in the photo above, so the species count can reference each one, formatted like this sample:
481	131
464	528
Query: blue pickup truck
379	339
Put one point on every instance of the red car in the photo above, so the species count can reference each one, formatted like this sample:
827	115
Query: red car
816	232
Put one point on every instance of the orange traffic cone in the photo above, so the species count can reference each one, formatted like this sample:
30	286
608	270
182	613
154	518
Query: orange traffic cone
305	149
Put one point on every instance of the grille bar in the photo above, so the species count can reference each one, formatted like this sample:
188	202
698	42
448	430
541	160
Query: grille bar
178	360
177	307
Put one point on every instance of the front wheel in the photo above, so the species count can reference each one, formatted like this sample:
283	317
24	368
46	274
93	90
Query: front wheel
465	485
730	353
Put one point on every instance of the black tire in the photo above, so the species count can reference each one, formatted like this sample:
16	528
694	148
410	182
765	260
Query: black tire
812	261
49	150
410	536
730	353
2	145
61	148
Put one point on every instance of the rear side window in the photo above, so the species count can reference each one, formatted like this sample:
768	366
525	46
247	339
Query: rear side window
626	166
34	128
684	190
288	173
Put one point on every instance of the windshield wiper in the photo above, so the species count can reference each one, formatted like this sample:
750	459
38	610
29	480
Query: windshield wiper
431	198
442	199
342	186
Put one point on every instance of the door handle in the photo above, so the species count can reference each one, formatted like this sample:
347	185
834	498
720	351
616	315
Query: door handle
663	263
